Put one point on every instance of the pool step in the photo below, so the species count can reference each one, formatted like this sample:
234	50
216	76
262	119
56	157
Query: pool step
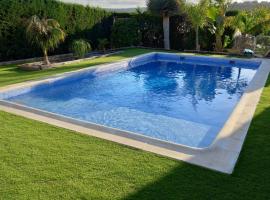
157	126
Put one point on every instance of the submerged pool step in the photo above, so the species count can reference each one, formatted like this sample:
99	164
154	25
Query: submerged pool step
157	126
161	127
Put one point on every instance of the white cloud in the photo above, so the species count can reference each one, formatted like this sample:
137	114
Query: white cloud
122	3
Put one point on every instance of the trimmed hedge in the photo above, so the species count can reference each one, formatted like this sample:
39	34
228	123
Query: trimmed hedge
91	24
151	30
77	21
125	32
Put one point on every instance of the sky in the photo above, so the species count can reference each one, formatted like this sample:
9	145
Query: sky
111	3
119	3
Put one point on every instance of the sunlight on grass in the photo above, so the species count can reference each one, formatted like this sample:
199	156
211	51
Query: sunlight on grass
10	74
41	161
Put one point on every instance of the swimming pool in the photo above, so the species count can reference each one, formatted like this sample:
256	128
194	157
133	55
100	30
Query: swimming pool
183	100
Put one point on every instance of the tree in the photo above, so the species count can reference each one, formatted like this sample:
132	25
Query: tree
45	33
197	14
218	21
164	8
254	22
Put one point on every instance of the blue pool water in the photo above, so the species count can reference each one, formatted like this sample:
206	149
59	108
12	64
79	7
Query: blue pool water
183	103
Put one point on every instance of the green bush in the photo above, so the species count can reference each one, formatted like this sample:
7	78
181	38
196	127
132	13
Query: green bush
80	48
76	20
125	32
103	44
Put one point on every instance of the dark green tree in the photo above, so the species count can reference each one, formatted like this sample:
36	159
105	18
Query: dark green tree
164	8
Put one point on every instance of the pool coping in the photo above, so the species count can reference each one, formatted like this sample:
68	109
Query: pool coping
221	156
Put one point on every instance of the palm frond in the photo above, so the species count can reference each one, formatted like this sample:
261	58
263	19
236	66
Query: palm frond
197	13
44	33
164	7
80	48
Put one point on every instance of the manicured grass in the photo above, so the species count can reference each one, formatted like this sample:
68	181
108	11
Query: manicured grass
40	161
11	74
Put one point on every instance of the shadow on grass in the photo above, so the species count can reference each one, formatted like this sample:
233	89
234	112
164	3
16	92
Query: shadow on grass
250	180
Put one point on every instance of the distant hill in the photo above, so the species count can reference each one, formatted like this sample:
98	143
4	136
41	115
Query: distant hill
249	5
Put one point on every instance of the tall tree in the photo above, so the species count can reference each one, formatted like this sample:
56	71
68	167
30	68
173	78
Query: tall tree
197	14
165	8
44	33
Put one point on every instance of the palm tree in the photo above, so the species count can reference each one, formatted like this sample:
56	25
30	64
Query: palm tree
218	21
165	8
252	22
44	33
197	14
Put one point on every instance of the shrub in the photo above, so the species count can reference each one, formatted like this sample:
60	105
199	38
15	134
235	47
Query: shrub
103	44
80	48
125	32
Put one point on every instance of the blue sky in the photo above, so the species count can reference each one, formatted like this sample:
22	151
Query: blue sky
116	3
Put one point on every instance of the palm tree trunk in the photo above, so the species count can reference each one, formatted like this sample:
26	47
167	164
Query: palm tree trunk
46	59
218	46
197	39
166	31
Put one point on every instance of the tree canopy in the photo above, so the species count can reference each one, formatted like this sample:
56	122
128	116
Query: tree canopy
164	7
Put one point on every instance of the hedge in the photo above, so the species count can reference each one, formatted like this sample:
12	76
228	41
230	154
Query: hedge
91	24
77	21
125	32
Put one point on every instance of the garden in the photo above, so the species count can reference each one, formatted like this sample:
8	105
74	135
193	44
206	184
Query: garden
39	28
41	38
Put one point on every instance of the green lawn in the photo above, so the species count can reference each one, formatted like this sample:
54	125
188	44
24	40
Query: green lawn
40	161
10	74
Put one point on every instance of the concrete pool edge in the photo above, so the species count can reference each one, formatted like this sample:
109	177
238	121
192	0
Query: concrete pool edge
221	156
